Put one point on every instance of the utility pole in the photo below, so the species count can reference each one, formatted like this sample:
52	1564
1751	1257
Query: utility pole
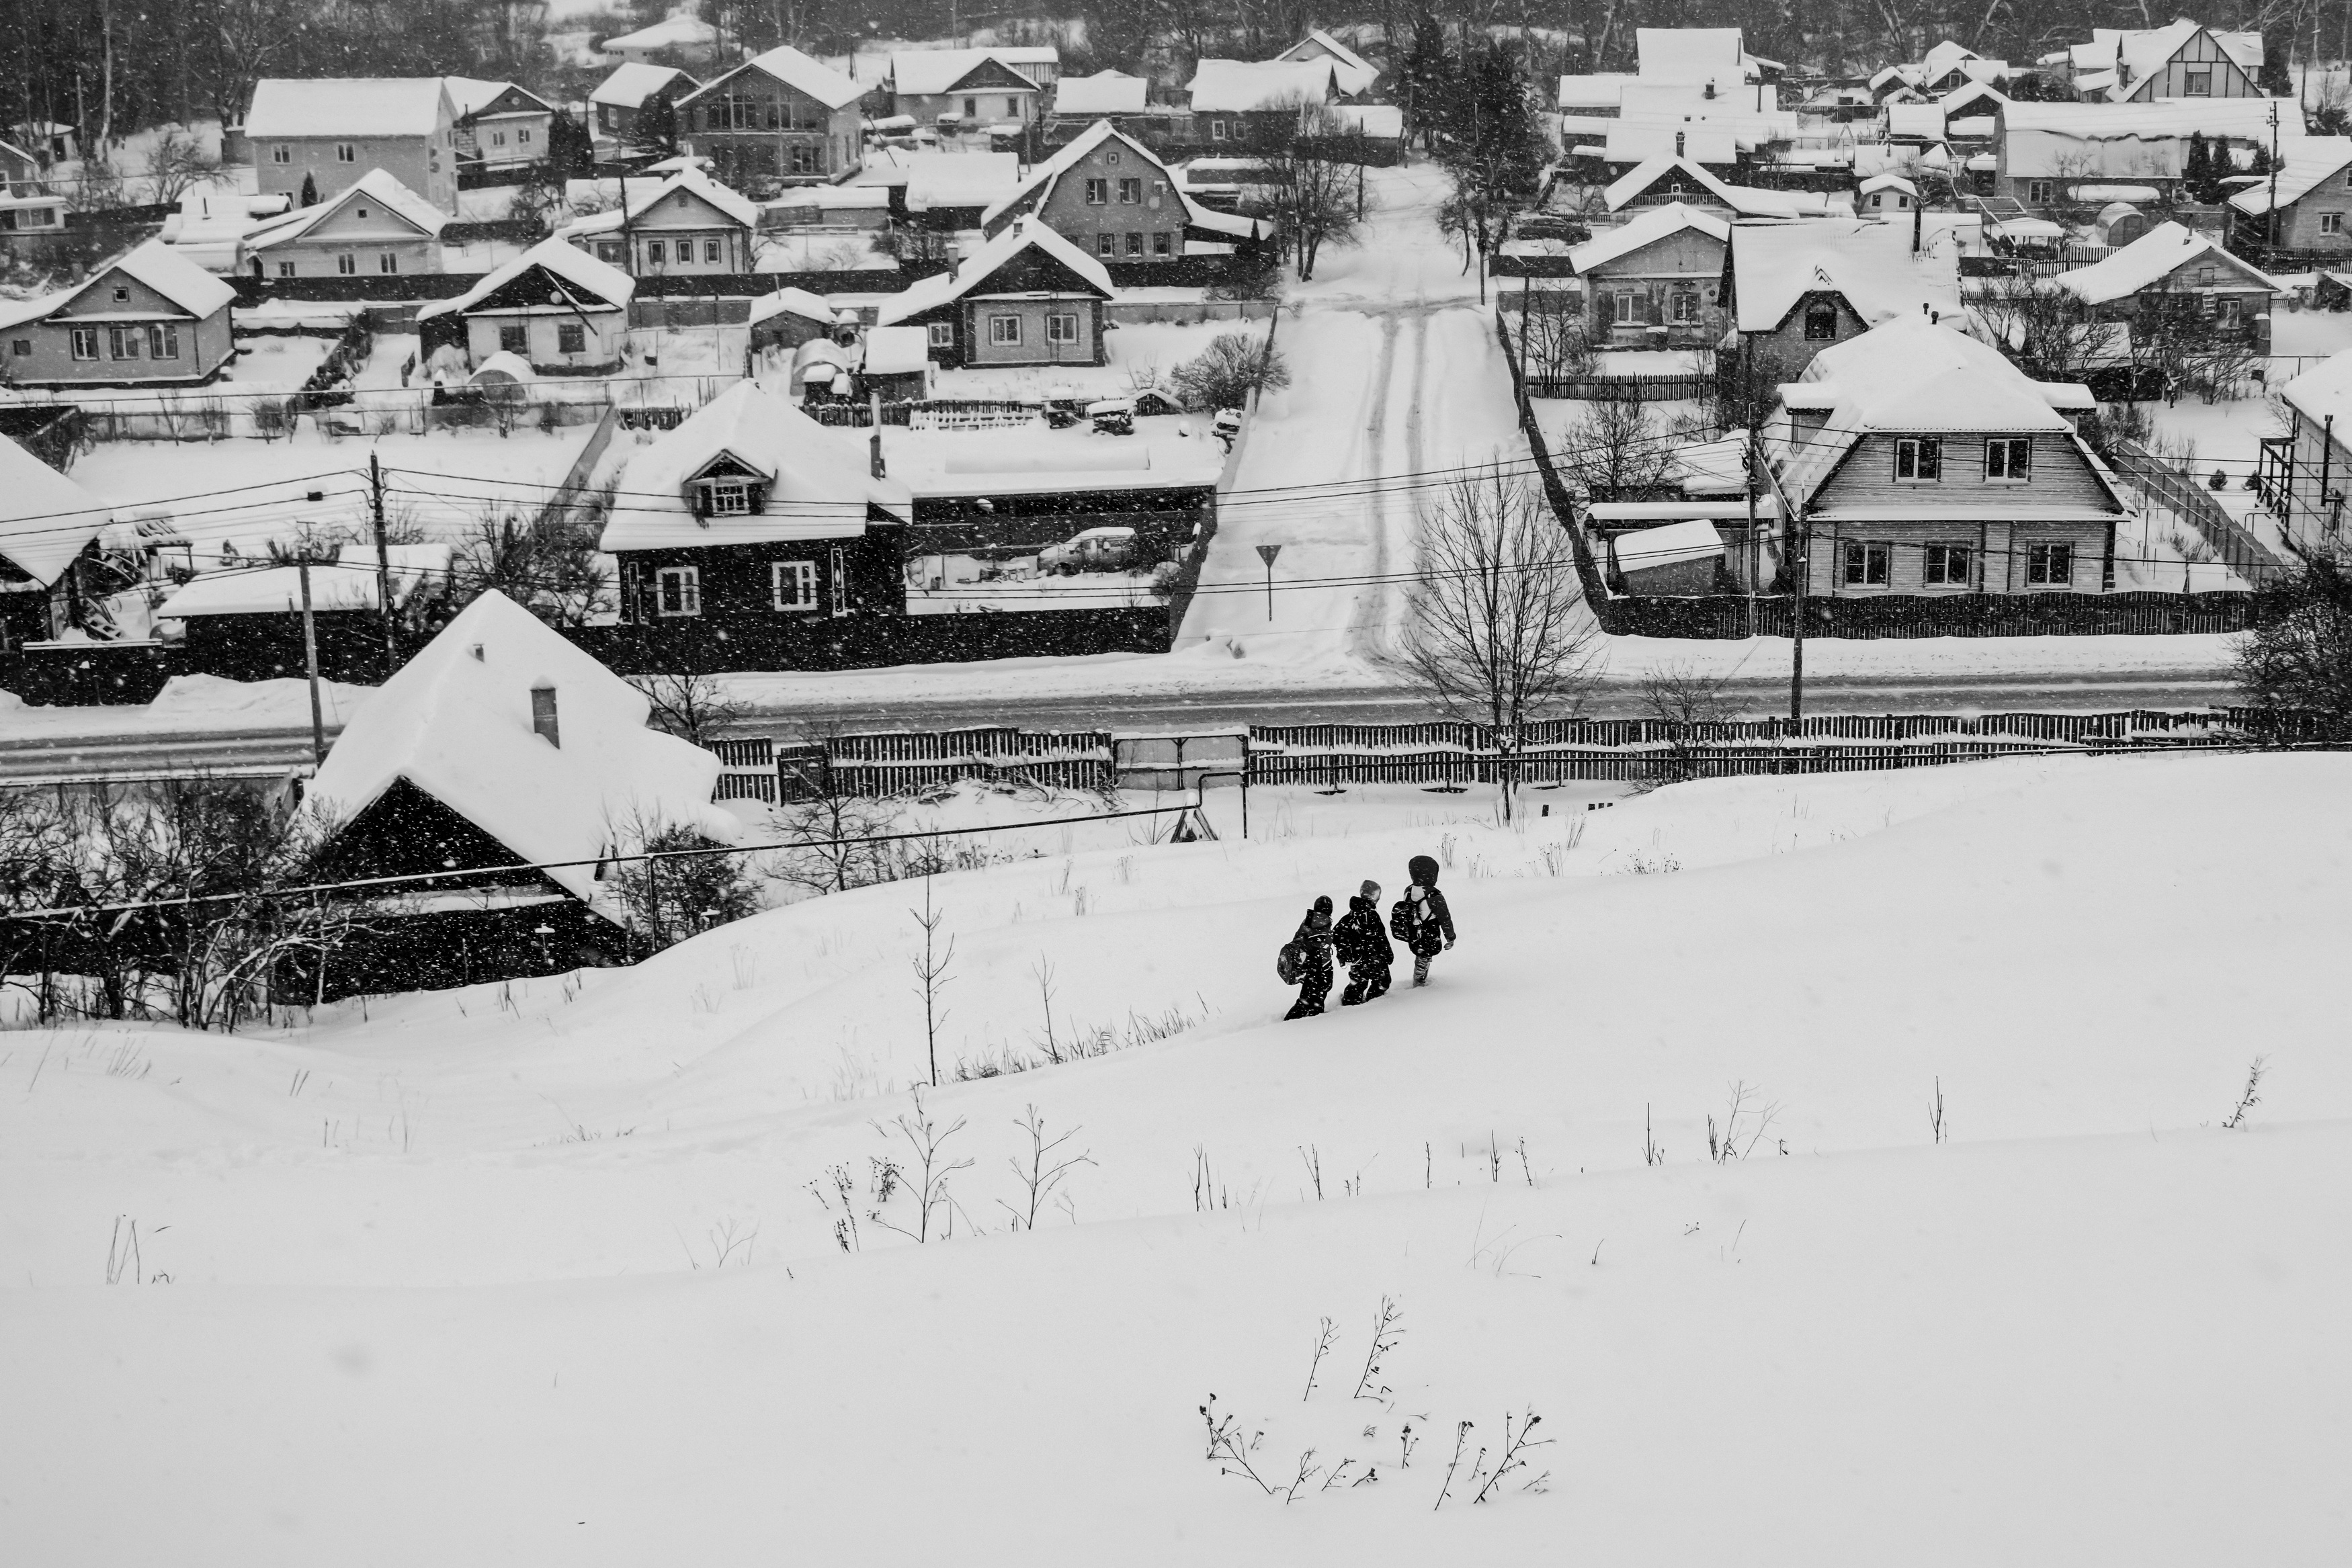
1266	554
1799	547
2270	225
1755	455
310	663
383	564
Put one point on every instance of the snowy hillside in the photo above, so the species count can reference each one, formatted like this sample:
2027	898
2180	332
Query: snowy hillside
590	1267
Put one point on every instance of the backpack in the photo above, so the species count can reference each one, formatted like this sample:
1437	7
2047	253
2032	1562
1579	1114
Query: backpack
1401	919
1290	964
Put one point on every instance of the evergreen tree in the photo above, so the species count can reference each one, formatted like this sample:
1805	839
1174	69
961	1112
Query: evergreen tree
655	132
2197	169
310	197
1424	76
1491	146
570	154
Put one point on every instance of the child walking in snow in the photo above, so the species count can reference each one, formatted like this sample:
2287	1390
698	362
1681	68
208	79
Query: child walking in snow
1421	920
1363	946
1313	952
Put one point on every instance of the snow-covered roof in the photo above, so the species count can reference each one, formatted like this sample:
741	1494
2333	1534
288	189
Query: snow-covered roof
1913	375
820	482
154	264
347	584
980	180
1695	54
599	285
686	31
791	302
1924	120
1744	200
895	350
1380	121
634	82
1888	183
1668	544
285	107
1943	57
929	293
456	721
1242	86
1356	73
470	95
1644	140
1977	96
2303	167
46	518
504	368
2156	254
2245	117
1595	89
692	182
2142	52
1869	264
803	74
925	73
1037	188
376	186
2323	391
1104	92
1651	226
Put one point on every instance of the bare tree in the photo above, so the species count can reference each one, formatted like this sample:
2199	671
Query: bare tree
1496	632
1319	197
176	164
1614	451
687	703
551	568
1685	698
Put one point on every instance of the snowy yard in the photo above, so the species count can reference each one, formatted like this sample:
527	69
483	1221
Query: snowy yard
594	1264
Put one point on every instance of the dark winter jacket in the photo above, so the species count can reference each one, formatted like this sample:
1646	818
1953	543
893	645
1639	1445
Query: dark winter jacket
1359	939
1314	940
1421	919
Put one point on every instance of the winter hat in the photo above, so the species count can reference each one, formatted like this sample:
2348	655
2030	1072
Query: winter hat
1370	890
1424	870
1323	903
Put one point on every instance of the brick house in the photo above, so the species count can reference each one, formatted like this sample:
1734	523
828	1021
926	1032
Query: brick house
1926	464
1028	297
149	317
751	512
782	118
1111	196
332	131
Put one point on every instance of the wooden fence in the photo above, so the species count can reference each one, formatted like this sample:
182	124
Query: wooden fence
2167	487
898	763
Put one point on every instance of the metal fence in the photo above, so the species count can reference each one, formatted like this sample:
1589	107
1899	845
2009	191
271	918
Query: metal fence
2167	487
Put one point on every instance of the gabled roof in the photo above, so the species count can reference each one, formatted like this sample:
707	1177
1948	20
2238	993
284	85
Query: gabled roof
1652	225
1925	121
681	32
1104	92
634	82
1912	375
2246	117
285	107
1695	54
819	482
1980	97
1746	201
154	264
792	302
338	585
376	186
592	285
1641	140
2154	256
1943	57
46	518
2323	391
1244	86
1887	183
809	77
1037	188
455	723
926	73
930	293
1594	89
1357	74
469	95
1870	264
2303	167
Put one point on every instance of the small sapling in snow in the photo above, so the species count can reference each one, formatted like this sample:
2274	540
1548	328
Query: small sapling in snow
1045	1171
1935	1123
1386	1333
1515	1449
1324	1339
2251	1097
925	1140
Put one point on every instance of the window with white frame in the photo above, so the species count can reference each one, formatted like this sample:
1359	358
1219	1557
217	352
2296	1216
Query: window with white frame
346	153
346	264
1867	565
122	343
942	334
1628	307
711	252
1005	330
1062	326
1918	460
85	343
2227	309
677	590
1130	192
1160	244
1216	131
727	497
2197	84
1685	310
282	154
2331	223
522	138
2009	459
793	584
285	269
387	261
2041	193
162	343
1106	244
1947	565
2050	564
498	139
1097	192
1135	243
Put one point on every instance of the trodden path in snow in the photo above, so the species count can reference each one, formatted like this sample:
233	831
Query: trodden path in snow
1395	374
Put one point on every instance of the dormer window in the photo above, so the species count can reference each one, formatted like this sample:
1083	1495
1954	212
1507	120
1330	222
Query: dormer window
726	498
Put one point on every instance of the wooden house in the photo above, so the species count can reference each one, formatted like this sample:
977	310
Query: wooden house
1355	75
780	119
377	226
1926	463
1027	297
750	512
615	103
1242	102
2182	59
2314	190
500	127
1794	289
329	132
32	214
559	308
2171	272
1655	280
499	769
148	317
48	525
977	86
687	224
1111	196
2050	154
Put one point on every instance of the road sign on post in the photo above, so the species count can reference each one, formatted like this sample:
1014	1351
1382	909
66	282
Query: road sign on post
1266	554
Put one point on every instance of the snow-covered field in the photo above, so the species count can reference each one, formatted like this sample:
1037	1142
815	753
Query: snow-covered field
551	1271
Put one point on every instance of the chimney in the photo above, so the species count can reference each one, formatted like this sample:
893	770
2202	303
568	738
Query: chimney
876	404
542	716
1678	143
